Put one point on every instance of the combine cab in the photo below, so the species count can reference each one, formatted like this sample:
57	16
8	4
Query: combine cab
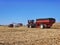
41	23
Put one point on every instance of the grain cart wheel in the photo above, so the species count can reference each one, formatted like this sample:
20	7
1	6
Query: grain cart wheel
41	26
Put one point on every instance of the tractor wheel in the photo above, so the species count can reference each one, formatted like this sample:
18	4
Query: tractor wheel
41	26
33	26
29	26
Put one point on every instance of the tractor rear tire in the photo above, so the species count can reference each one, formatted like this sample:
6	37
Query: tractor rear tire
28	26
31	26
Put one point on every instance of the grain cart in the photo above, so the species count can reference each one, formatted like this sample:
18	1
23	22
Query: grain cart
41	23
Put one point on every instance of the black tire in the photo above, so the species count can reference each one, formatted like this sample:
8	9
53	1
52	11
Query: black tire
48	27
29	26
33	26
10	25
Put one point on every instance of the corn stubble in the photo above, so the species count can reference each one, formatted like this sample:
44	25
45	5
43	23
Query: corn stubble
29	36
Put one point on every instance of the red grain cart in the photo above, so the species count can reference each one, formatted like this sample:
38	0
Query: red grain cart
41	23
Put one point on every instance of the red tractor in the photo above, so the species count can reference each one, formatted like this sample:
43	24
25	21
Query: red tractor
41	23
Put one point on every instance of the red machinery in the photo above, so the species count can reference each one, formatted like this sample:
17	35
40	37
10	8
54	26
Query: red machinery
41	23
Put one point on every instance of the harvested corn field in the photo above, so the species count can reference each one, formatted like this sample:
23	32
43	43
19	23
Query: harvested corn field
29	36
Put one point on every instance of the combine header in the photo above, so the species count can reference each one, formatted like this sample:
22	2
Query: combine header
41	23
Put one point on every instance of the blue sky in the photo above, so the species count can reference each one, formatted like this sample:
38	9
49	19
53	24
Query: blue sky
22	10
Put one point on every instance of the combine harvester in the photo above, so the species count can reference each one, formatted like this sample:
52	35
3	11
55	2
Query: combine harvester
41	23
15	25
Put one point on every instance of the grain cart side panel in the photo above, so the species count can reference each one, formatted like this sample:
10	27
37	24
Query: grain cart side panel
47	22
